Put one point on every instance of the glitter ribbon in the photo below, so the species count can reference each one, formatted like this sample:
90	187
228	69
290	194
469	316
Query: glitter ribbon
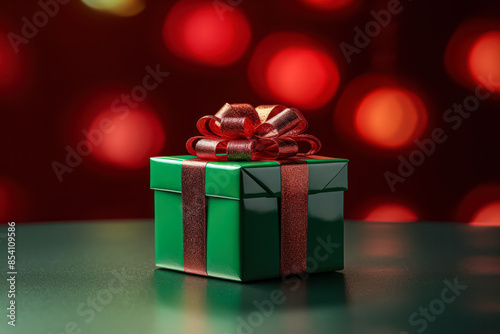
293	222
194	216
239	132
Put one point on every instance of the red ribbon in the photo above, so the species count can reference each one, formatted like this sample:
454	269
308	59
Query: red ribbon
242	132
194	216
293	218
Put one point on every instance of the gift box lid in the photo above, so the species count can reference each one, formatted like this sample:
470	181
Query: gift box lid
245	179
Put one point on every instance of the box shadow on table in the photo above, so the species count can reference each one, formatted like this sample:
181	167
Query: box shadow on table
179	290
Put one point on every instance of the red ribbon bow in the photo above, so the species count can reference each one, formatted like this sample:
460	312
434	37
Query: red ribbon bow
242	132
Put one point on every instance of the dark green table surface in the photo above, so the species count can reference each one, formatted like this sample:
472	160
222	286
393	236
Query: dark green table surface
99	277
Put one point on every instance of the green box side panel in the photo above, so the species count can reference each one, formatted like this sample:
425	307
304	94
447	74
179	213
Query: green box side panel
223	238
339	182
260	237
261	182
327	176
325	232
324	175
168	230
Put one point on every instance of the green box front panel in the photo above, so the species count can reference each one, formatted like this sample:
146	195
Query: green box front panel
220	179
223	238
168	230
325	232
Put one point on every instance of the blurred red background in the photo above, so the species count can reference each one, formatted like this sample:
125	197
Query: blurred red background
90	89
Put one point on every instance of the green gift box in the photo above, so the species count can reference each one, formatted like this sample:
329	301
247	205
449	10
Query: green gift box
243	232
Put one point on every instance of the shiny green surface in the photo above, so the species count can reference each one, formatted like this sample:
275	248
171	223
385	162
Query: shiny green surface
243	216
168	249
391	270
223	238
260	251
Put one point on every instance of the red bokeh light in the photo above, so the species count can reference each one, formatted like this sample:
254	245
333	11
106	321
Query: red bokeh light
129	140
488	215
7	70
380	110
473	53
11	65
390	117
328	4
199	31
391	213
481	265
484	60
294	70
481	206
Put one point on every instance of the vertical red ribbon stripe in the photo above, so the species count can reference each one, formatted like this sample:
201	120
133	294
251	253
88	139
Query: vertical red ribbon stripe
194	218
294	201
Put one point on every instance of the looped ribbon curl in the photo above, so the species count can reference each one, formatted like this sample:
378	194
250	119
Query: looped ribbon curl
239	132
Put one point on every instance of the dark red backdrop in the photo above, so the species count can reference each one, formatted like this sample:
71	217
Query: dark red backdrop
83	59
